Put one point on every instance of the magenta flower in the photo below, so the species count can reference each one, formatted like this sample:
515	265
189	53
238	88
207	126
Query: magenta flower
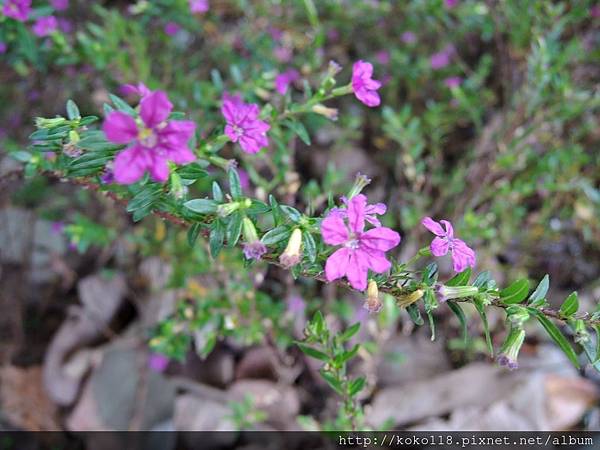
462	255
450	3
17	9
243	124
365	87
158	362
43	26
371	212
595	11
283	80
153	141
199	6
135	89
171	28
59	5
361	250
383	57
439	60
453	82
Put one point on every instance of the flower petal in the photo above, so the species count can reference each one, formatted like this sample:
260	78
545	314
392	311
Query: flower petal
337	264
119	127
357	271
356	213
463	256
333	230
449	230
433	226
130	165
155	108
375	260
439	246
159	169
380	238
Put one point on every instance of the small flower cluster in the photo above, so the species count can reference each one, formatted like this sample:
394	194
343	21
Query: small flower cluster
43	26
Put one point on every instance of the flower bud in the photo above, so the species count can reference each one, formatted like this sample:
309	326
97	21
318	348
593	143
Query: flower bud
253	248
41	122
291	255
330	113
226	209
445	293
406	300
517	315
372	303
511	347
360	182
582	335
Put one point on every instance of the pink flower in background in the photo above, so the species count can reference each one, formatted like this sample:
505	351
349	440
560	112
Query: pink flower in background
453	82
408	37
171	28
383	57
59	5
450	3
43	26
439	60
363	85
17	9
462	255
595	11
361	250
371	212
243	124
152	144
199	6
283	80
135	89
283	54
158	362
3	47
65	25
244	179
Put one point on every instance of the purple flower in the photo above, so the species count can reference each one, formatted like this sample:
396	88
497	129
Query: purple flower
365	87
371	212
171	28
453	82
3	47
283	80
408	37
450	3
462	255
383	57
17	9
43	26
135	89
254	250
158	362
199	6
595	11
243	124
439	60
361	250
65	25
57	227
153	142
59	5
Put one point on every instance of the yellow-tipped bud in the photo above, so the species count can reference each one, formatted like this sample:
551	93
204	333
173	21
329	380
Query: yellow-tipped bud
330	113
291	255
372	303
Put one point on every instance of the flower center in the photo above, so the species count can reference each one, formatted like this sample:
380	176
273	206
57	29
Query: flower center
239	131
353	242
147	138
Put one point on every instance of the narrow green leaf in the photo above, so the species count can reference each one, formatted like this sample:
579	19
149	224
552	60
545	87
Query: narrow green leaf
349	332
202	205
356	386
217	192
72	110
122	105
192	234
335	384
540	290
556	335
300	130
310	248
258	207
570	305
342	358
235	187
486	328
415	314
482	279
234	229
312	352
515	293
460	279
292	213
216	238
276	235
462	319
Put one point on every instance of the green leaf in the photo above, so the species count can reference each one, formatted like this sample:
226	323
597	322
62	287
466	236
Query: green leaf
72	110
430	274
570	305
217	192
234	229
310	248
540	291
144	198
235	187
292	213
258	207
349	332
191	172
486	328
318	323
460	279
122	105
300	130
216	238
431	324
275	211
335	384
515	293
462	319
415	314
312	352
482	279
356	386
556	336
202	205
342	358
276	235
193	232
